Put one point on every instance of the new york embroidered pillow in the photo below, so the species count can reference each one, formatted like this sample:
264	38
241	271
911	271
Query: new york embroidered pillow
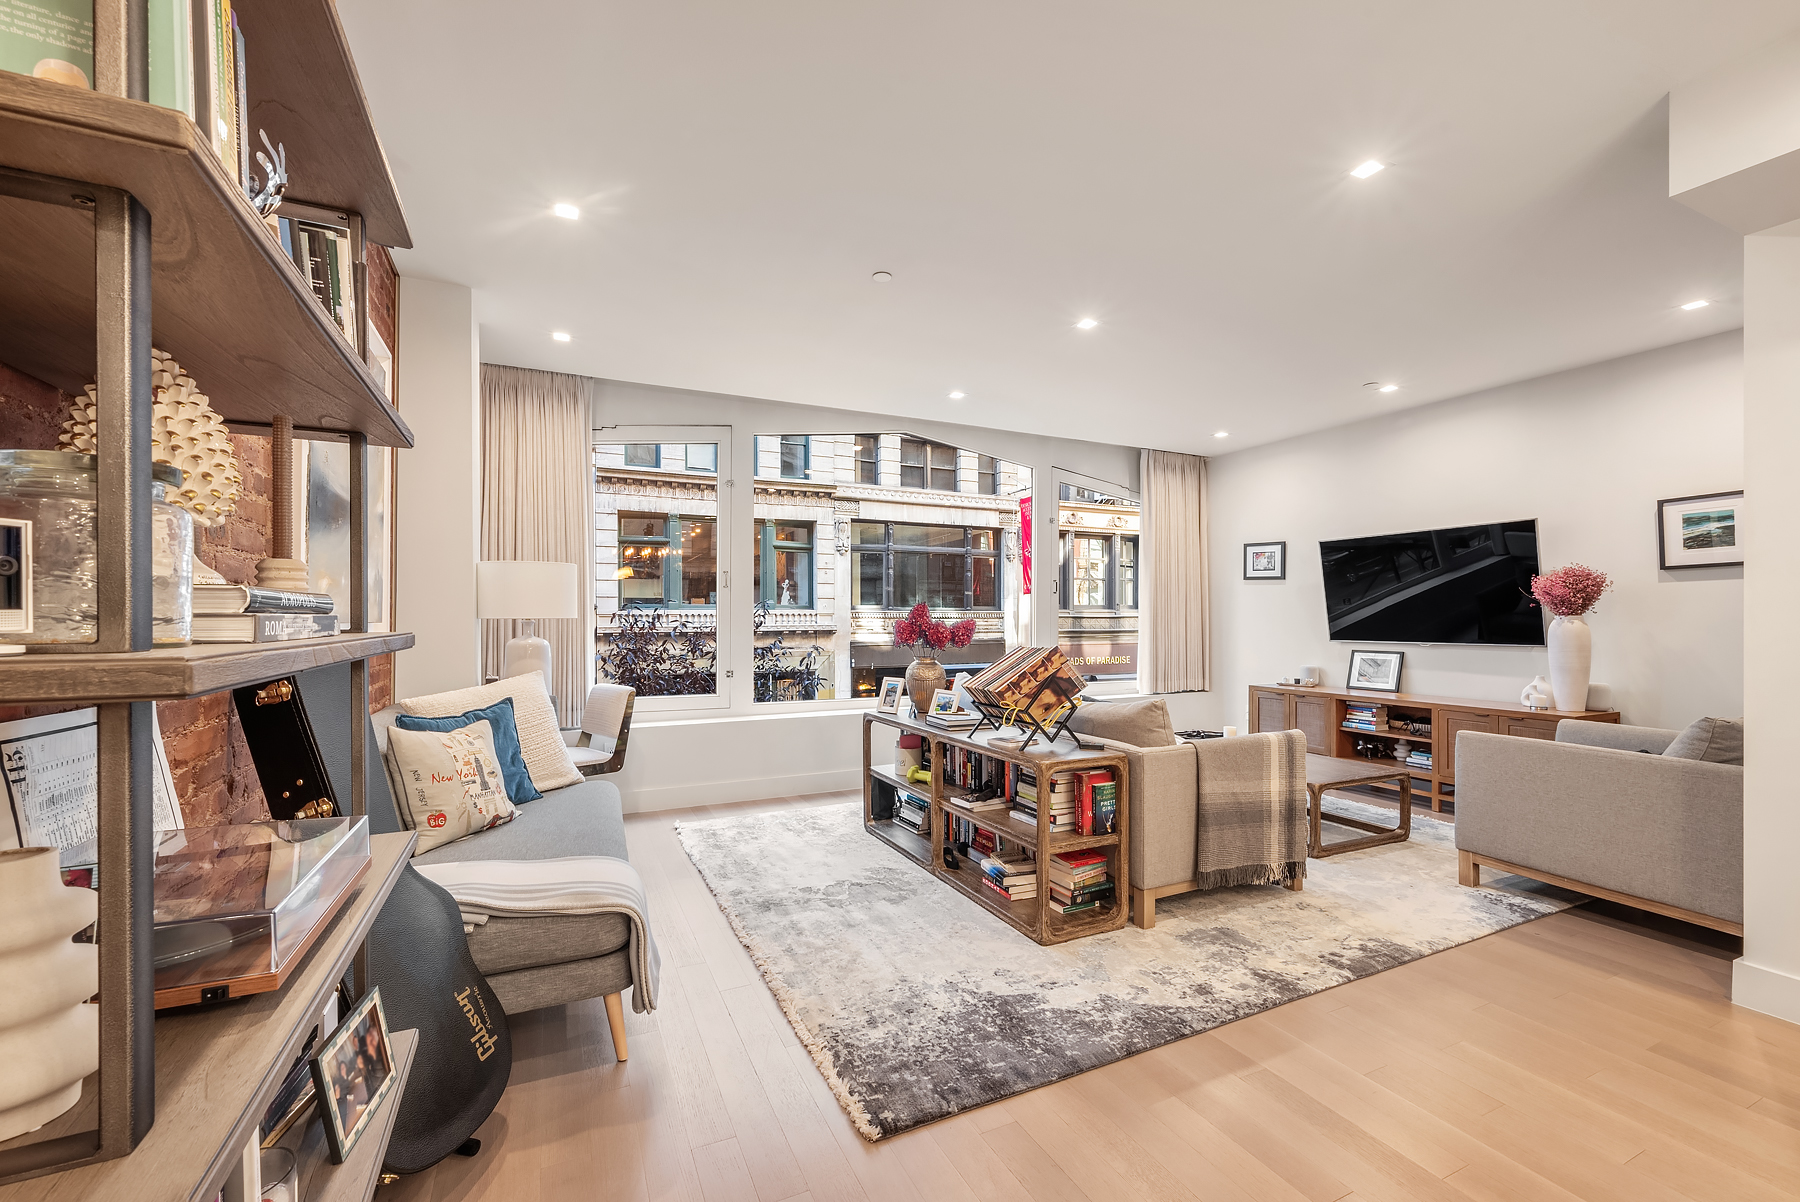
450	782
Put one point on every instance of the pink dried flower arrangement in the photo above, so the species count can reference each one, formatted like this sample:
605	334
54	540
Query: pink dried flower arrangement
918	628
1571	591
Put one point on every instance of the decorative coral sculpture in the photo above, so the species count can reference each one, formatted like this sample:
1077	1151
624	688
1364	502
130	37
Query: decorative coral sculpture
184	431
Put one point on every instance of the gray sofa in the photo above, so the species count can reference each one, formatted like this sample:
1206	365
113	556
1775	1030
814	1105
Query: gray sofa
548	961
1601	810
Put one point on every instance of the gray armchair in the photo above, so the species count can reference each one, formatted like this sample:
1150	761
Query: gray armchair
1602	811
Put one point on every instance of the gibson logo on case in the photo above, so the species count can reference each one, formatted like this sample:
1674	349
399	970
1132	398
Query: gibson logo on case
483	1039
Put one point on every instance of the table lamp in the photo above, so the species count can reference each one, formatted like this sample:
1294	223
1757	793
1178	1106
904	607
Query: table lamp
528	589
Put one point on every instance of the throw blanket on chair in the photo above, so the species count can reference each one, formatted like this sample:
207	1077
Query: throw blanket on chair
1252	819
486	889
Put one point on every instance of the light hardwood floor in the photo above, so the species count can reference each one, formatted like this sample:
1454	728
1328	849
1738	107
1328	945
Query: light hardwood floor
1573	1057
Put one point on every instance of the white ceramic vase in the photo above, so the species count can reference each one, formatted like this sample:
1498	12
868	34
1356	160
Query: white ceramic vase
49	1035
1571	662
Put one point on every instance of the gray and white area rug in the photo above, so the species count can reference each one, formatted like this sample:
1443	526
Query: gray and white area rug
916	1003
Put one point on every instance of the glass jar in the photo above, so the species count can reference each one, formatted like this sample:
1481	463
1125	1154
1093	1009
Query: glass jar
56	492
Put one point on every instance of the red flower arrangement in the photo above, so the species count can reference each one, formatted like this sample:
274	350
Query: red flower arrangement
919	629
1570	592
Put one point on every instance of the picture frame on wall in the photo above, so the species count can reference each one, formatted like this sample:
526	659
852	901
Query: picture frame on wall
1265	561
1375	671
1700	531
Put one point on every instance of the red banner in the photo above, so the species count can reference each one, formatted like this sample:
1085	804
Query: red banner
1025	539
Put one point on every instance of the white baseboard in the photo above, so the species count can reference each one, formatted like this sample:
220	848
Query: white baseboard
1766	989
680	797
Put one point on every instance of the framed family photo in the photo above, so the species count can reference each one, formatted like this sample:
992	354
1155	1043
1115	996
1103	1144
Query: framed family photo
1377	671
352	1073
1700	532
888	700
1265	561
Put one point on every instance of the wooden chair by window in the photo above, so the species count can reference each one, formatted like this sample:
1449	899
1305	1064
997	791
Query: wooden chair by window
605	727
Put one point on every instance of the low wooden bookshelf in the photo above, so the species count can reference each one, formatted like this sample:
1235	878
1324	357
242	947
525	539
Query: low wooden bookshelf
1034	917
1319	714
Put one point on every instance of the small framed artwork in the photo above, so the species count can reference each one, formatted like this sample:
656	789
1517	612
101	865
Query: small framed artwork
893	688
1377	671
1265	561
352	1073
1700	532
944	702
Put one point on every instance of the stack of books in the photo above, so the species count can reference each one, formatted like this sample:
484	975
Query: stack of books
1058	808
243	613
1079	880
1097	793
1419	757
1035	682
1366	716
1015	880
913	813
946	715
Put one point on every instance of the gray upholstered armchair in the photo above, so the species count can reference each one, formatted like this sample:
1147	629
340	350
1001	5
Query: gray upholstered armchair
1601	810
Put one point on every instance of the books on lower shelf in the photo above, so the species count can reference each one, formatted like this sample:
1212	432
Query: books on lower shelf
1418	759
263	628
1359	715
1079	880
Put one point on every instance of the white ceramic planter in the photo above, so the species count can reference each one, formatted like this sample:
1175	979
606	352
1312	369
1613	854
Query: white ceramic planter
49	1035
1571	662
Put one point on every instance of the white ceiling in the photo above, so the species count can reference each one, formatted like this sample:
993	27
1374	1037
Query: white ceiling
1177	170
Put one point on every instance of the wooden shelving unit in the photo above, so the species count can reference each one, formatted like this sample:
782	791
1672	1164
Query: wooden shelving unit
1318	713
122	231
1033	917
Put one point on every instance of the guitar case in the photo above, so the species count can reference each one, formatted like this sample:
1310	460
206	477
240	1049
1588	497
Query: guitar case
419	957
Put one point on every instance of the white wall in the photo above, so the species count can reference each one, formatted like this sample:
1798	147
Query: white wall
438	518
1586	452
1734	139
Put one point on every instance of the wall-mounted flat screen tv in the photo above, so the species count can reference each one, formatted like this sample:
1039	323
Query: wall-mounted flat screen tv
1461	584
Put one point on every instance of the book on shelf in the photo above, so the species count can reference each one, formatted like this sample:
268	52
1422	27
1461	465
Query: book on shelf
263	628
213	600
1090	781
324	256
1022	893
1093	891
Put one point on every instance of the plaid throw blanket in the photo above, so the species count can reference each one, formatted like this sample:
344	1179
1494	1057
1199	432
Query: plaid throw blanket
1252	819
569	885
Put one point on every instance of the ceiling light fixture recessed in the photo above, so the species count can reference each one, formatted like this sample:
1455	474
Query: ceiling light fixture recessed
1086	323
1388	388
560	336
957	396
1222	434
1699	304
569	211
882	277
1367	169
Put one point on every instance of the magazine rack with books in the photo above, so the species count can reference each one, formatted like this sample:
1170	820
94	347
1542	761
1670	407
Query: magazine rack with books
1032	688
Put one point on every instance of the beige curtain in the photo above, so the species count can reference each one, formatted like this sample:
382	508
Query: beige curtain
1175	626
537	502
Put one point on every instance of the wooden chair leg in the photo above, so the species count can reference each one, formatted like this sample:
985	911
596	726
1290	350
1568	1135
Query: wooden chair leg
1468	871
615	1018
1143	909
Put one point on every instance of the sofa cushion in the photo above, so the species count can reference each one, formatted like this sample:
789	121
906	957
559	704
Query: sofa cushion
499	716
1714	740
509	944
1141	721
452	783
585	819
540	741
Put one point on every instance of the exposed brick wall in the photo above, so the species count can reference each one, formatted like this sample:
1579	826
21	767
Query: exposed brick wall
208	757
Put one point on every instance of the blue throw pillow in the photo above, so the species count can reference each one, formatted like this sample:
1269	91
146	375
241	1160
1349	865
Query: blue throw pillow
506	743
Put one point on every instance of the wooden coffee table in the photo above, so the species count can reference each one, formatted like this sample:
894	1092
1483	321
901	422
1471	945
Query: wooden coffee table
1327	772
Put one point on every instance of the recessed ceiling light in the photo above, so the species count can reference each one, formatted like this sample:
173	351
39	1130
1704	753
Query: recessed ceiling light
1369	168
882	277
1699	304
569	211
957	396
1222	434
560	336
1388	388
1086	323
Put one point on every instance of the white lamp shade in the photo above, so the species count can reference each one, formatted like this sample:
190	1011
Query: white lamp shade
525	588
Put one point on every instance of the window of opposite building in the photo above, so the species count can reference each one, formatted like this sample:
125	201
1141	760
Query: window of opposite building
927	465
868	459
667	559
643	454
702	457
784	563
897	565
1099	571
796	456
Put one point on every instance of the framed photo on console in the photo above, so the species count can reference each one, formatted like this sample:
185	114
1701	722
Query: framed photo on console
1699	532
352	1074
1265	561
892	689
1377	671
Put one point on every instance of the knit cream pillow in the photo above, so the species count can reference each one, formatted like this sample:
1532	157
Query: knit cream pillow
540	741
450	781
